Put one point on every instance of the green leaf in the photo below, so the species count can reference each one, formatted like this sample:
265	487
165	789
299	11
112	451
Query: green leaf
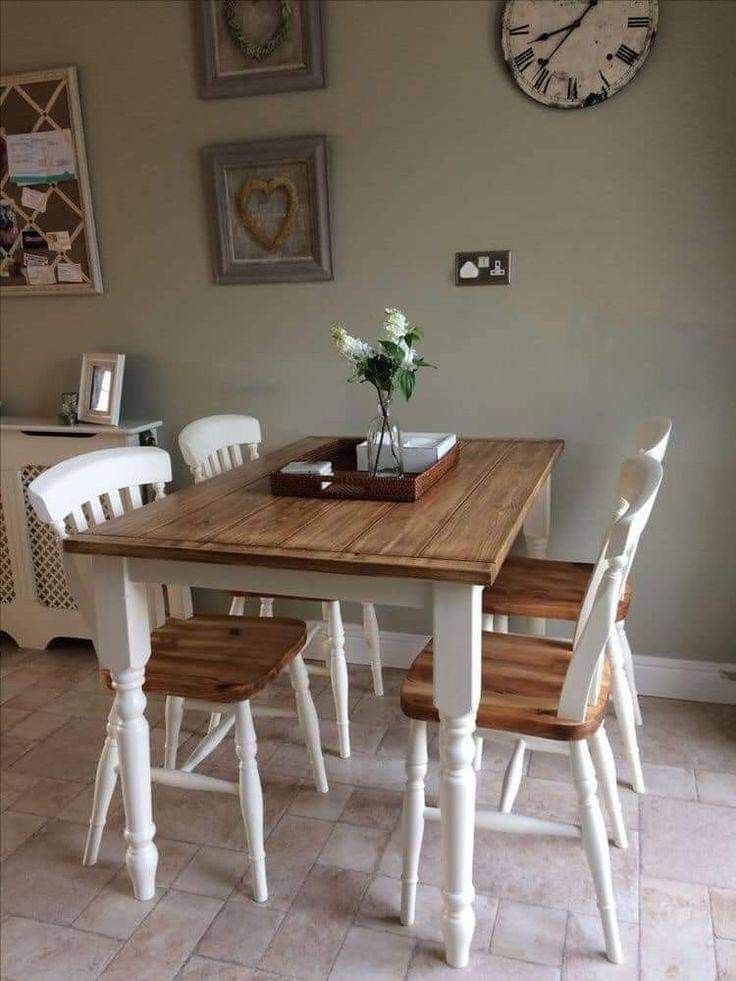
406	383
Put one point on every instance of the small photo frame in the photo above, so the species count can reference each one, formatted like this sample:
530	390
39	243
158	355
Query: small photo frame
270	210
253	48
101	388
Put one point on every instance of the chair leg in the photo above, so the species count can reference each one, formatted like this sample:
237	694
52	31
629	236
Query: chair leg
595	843
107	777
237	606
512	778
338	674
266	607
309	721
629	668
251	796
412	818
215	720
605	771
500	623
173	715
625	712
478	757
373	639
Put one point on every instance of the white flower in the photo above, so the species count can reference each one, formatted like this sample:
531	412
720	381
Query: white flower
409	354
395	323
349	347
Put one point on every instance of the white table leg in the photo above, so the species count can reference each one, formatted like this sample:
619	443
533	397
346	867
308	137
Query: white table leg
457	678
123	646
536	537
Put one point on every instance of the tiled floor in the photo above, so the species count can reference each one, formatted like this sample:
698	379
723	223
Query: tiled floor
334	862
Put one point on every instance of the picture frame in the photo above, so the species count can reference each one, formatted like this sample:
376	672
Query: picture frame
287	39
101	388
270	202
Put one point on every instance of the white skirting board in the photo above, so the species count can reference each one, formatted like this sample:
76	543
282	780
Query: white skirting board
665	677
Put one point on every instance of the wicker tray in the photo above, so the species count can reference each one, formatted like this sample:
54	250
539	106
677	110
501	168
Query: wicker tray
348	482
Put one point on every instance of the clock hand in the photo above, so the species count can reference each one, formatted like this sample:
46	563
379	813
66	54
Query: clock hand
575	24
546	35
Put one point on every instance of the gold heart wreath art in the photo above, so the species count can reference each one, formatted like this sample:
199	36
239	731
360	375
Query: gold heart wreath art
269	242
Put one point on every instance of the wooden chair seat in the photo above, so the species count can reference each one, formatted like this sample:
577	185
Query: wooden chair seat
543	588
219	658
522	680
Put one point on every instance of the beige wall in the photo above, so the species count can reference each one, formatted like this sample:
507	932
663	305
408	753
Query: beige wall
621	219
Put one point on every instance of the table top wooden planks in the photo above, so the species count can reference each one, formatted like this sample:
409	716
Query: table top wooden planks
460	530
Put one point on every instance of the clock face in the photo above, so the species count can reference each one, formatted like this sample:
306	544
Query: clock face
575	53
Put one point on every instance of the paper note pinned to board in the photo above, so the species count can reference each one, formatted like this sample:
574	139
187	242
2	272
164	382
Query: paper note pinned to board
40	275
40	158
70	272
59	241
35	200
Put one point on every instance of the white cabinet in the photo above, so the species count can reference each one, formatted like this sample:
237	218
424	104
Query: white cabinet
36	603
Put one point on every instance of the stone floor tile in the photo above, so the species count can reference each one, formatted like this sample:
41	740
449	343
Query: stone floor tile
13	749
241	931
39	725
213	872
688	841
48	797
723	908
374	710
676	935
353	847
163	942
530	933
366	956
173	857
328	807
204	969
10	717
428	964
32	698
79	808
313	931
34	951
115	912
44	877
585	956
15	828
373	808
661	780
73	749
381	907
558	800
716	788
394	741
291	851
726	959
12	786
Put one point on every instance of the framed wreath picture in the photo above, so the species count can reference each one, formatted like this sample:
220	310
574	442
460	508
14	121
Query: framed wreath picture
252	47
271	202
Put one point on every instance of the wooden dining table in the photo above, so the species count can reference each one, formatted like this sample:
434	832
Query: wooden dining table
231	533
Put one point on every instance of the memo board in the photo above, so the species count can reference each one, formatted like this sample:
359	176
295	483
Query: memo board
38	102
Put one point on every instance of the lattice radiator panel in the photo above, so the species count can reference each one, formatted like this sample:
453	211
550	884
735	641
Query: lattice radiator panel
48	569
7	584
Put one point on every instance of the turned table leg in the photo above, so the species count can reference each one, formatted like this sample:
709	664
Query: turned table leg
123	646
457	656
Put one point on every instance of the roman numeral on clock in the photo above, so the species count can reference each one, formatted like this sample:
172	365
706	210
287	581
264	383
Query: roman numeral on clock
627	54
523	60
524	28
639	21
572	88
606	83
542	80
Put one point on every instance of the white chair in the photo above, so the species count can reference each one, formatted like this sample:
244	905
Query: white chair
208	663
211	446
552	589
552	695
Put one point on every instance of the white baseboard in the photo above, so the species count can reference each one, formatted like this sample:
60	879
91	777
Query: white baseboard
664	677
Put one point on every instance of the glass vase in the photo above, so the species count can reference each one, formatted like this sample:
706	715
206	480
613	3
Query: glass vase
384	442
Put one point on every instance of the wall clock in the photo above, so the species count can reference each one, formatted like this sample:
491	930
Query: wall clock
570	54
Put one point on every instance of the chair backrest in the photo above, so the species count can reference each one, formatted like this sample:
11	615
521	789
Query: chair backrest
92	488
213	445
638	485
650	439
652	436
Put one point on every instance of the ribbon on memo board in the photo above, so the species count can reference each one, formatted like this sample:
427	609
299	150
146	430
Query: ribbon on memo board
48	240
